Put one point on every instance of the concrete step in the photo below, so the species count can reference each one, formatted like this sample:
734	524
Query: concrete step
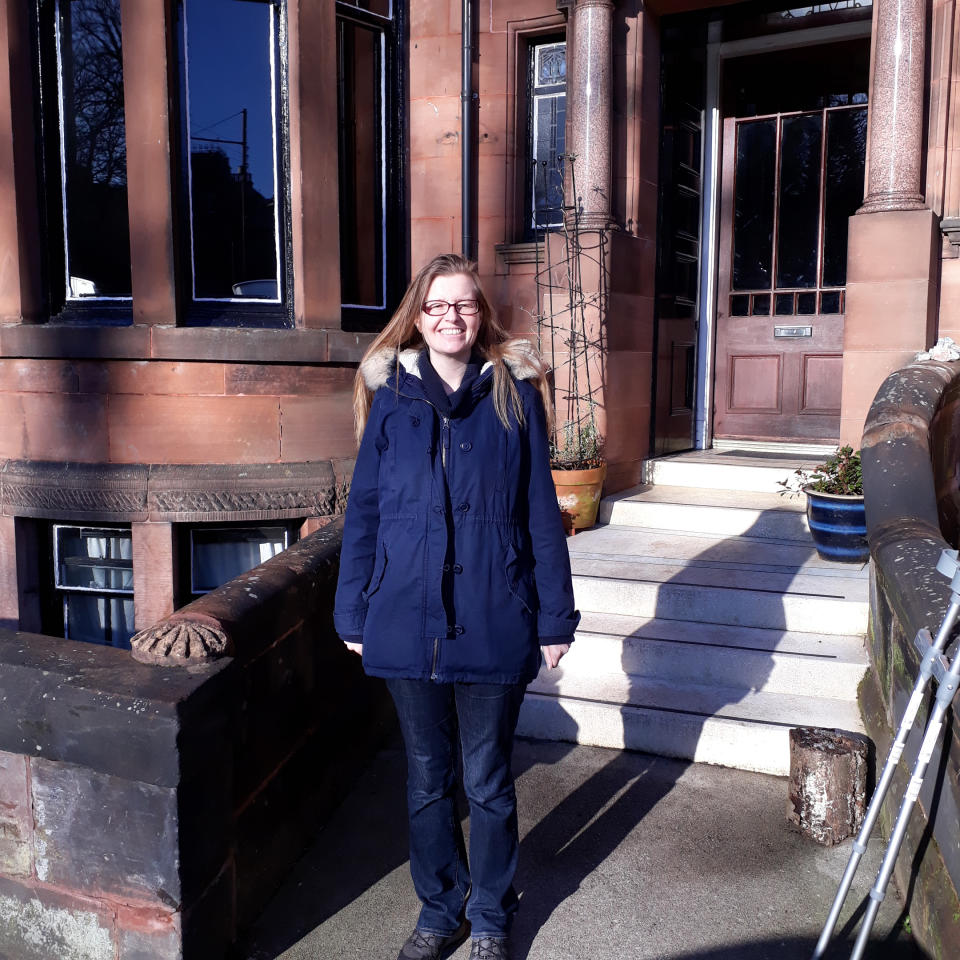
668	651
719	470
750	583
707	724
721	512
723	741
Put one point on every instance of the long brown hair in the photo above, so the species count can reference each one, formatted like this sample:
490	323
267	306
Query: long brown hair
492	343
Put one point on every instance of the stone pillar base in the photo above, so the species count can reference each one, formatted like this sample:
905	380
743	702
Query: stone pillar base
892	271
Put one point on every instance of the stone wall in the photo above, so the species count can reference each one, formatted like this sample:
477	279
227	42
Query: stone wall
909	483
149	811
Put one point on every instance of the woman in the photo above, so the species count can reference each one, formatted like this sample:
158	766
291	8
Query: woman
454	576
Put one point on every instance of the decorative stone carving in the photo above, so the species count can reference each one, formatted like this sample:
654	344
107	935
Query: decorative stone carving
182	493
75	491
178	641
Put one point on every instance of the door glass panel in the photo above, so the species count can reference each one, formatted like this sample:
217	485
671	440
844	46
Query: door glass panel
846	150
740	305
231	87
761	305
784	305
830	301
806	303
753	204
799	201
93	149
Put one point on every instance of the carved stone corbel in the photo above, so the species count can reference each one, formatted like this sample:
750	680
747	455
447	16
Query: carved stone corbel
181	641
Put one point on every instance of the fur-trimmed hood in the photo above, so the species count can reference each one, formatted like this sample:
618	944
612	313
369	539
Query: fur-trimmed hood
521	357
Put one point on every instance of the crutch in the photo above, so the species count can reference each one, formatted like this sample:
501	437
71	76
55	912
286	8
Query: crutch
933	663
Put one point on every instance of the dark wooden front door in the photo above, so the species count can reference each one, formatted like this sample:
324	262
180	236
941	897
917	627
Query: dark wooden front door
791	178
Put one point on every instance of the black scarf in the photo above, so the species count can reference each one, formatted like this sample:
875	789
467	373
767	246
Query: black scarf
448	405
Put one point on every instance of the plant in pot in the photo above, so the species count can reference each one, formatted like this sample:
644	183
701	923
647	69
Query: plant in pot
579	469
835	510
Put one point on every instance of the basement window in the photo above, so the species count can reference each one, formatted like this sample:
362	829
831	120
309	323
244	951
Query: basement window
93	582
220	553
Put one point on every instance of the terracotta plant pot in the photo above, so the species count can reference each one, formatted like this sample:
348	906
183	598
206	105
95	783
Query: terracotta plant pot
838	525
578	493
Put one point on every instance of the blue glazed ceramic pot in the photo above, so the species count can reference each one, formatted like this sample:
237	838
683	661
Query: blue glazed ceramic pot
838	525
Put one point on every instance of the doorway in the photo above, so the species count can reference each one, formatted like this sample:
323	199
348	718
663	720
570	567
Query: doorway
793	143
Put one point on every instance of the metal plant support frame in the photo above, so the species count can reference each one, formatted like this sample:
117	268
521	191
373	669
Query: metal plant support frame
561	315
934	665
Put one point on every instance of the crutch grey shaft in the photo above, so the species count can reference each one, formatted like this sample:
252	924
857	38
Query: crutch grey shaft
930	650
945	694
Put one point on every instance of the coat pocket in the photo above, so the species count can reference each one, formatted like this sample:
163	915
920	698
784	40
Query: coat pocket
379	569
520	580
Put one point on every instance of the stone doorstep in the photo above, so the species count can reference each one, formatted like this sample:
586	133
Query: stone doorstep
721	512
717	475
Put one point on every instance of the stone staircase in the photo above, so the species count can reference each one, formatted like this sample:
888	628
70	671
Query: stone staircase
710	625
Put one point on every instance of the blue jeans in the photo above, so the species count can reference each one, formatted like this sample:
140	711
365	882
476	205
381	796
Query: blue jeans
430	715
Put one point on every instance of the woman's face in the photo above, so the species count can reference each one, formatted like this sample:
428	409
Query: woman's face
452	334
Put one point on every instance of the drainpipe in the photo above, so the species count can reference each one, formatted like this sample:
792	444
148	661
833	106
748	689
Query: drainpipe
467	95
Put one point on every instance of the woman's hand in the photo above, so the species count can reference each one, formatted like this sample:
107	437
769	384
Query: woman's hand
553	652
354	647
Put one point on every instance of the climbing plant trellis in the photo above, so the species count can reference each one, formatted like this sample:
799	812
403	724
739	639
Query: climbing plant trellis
565	336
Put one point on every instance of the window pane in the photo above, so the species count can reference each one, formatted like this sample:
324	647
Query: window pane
846	150
548	104
830	301
93	149
784	304
220	554
94	558
806	304
753	204
798	230
359	86
232	117
740	305
93	619
761	305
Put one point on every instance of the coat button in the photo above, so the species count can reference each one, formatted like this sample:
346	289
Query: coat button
415	421
437	508
463	507
446	568
457	568
466	445
458	629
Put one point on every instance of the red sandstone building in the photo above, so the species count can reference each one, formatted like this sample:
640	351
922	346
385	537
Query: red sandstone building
210	204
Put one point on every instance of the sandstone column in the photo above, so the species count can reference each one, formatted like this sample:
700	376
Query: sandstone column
893	245
589	102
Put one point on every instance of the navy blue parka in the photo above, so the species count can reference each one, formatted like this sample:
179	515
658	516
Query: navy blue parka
454	564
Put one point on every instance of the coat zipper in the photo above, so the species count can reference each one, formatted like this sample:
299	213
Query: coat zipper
436	653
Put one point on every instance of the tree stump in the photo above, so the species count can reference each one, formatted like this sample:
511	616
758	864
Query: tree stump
828	783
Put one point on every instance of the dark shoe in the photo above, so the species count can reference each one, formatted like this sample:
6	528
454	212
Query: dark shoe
490	948
431	946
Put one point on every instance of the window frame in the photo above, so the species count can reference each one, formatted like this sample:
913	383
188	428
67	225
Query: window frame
60	594
395	230
530	231
59	307
185	545
233	312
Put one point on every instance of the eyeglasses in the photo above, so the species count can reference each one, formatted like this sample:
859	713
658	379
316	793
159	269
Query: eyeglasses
437	308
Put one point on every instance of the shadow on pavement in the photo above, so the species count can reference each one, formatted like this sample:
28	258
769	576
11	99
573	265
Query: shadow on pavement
802	949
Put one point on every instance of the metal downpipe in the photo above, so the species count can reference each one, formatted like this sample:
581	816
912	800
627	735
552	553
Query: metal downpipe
467	135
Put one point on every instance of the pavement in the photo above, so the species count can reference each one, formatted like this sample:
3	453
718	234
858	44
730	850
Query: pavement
623	855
